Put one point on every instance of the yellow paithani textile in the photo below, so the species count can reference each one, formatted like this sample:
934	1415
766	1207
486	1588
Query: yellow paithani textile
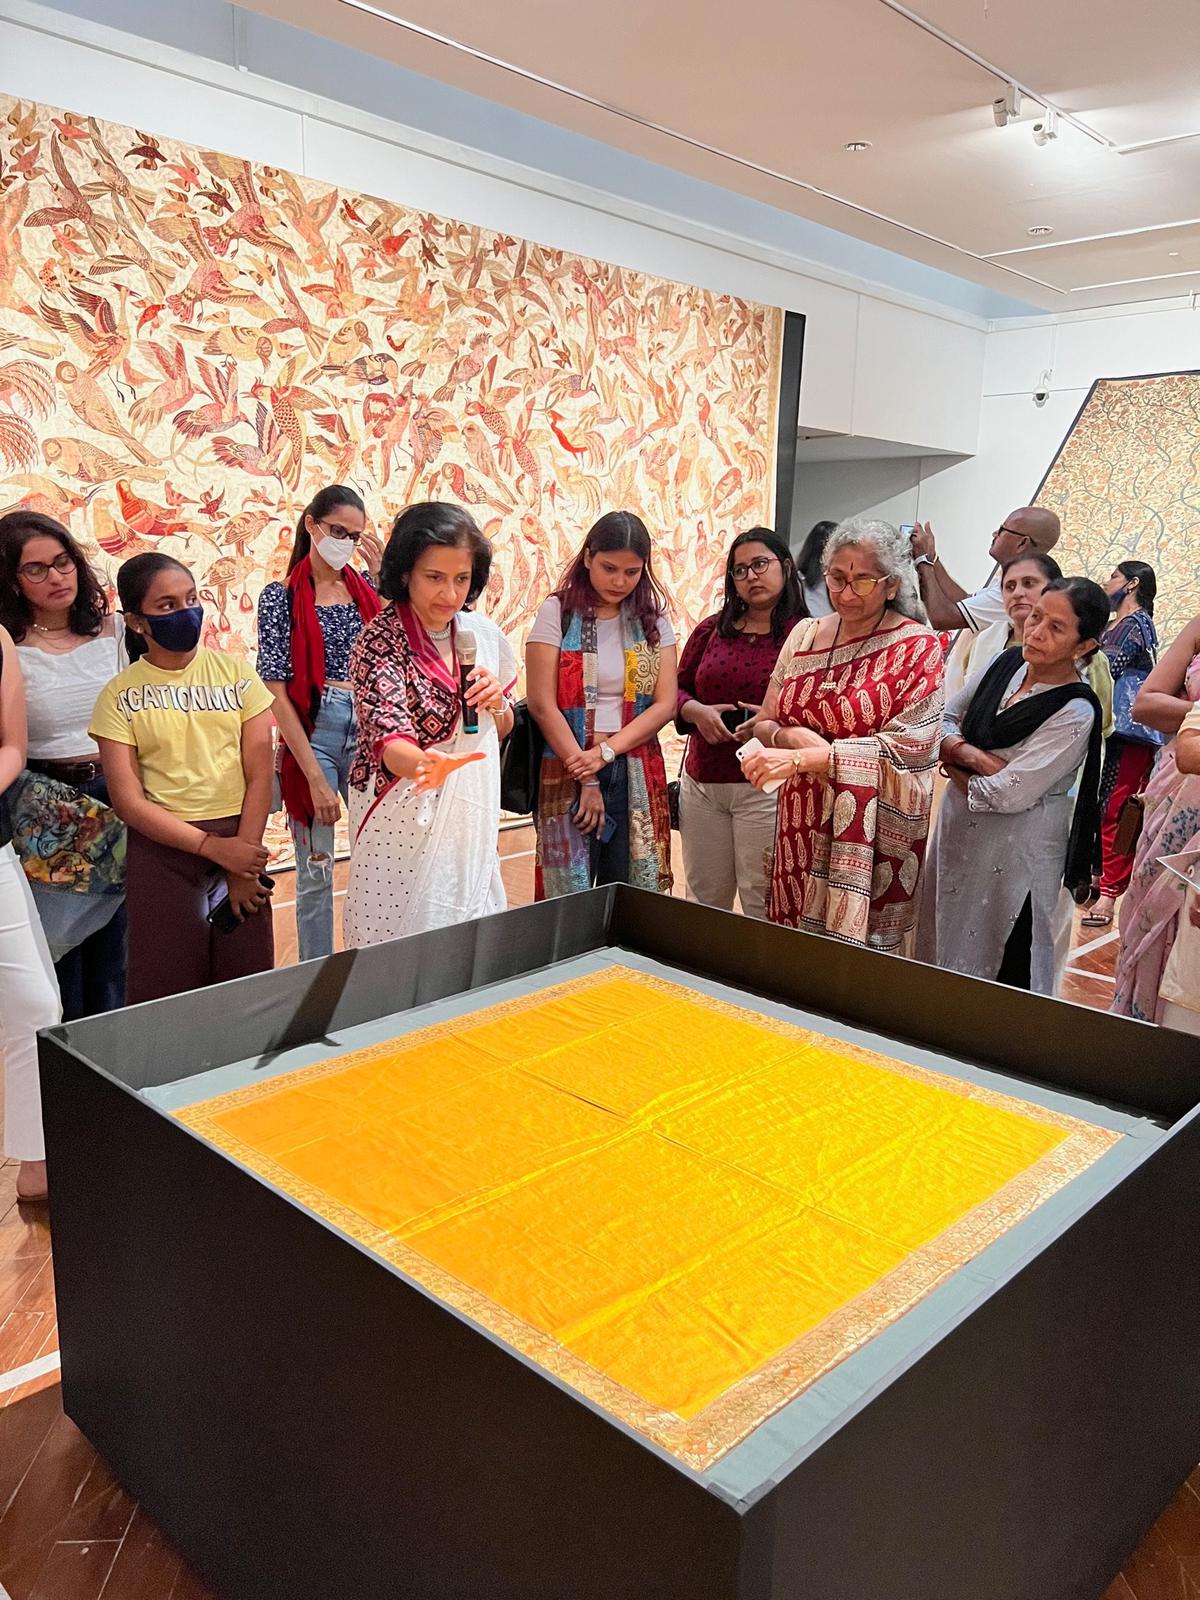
687	1210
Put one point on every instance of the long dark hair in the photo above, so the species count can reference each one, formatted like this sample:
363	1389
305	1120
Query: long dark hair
1089	603
90	606
790	604
432	522
809	559
318	508
1147	583
615	530
134	578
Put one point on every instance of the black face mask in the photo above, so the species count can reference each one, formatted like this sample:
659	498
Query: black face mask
1114	600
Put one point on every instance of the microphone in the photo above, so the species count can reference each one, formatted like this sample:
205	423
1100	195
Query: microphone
467	648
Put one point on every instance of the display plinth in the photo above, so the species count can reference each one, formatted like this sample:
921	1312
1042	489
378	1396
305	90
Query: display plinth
304	1419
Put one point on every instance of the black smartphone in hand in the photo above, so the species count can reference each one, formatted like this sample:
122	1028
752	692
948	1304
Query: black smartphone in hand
222	918
734	719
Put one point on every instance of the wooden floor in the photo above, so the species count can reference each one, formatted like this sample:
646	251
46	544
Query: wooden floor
68	1531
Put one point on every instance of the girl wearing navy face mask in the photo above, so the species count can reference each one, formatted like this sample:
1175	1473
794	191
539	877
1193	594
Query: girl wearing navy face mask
307	627
185	741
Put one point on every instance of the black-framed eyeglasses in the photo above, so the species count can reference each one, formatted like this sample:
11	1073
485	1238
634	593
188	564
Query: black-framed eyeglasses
1004	528
337	532
39	571
862	587
757	566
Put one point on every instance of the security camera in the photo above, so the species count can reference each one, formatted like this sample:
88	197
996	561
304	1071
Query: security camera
1046	129
1040	396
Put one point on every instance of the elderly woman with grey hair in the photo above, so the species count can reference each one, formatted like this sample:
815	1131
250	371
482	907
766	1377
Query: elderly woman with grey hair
851	724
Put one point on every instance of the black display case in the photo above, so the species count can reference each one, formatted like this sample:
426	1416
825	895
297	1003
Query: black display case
306	1422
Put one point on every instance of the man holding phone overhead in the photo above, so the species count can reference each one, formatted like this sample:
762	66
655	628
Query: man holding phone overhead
947	603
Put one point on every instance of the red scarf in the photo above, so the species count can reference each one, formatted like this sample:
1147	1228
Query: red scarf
308	671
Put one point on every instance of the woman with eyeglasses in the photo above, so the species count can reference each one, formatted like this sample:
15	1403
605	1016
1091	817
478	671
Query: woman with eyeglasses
850	726
727	827
71	843
307	626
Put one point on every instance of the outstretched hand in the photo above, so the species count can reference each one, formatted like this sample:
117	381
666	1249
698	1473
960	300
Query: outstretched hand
434	768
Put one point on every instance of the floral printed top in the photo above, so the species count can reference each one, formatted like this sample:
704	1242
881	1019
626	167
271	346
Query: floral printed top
394	698
340	627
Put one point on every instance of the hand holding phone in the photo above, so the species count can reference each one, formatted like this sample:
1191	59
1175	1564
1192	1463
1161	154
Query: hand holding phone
225	916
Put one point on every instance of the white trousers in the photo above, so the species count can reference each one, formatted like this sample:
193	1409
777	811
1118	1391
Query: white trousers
28	1001
728	835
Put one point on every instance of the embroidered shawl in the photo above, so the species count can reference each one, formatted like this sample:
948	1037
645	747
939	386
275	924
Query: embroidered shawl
563	852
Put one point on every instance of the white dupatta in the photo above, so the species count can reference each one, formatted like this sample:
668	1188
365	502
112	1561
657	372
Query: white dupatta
422	861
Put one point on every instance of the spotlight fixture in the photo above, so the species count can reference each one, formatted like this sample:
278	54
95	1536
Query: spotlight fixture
857	146
1007	107
1045	128
1039	231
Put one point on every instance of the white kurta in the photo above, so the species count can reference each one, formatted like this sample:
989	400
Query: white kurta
421	861
1004	841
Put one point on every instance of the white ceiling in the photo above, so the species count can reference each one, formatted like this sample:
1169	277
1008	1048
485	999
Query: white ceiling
761	98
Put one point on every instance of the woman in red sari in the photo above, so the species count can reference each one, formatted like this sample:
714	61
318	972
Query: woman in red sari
852	722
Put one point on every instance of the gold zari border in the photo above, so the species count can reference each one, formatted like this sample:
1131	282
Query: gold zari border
703	1439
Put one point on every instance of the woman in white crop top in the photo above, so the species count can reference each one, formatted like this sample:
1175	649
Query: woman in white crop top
69	646
601	682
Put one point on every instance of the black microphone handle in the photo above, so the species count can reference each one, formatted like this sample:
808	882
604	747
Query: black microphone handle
470	714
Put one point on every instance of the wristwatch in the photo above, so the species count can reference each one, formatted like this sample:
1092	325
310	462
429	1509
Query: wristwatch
925	561
607	753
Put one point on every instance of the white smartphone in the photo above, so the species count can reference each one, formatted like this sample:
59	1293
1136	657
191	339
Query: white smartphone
906	529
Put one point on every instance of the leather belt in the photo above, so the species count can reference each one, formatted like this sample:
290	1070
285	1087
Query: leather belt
72	772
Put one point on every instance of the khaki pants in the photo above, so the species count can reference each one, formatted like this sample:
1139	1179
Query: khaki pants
728	836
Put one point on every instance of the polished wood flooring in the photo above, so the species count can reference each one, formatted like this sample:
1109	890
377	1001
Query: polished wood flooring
68	1531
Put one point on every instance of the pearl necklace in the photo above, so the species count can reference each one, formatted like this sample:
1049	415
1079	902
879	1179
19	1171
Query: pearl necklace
440	638
39	627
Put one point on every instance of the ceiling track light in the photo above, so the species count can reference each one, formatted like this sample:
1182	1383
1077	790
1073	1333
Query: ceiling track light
582	97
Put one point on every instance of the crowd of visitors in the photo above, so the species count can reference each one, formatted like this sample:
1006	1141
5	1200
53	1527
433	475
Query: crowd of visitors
138	766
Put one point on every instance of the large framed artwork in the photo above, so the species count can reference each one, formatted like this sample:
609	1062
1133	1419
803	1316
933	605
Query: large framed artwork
191	344
1126	483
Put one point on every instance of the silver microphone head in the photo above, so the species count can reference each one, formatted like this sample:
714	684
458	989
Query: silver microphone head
467	647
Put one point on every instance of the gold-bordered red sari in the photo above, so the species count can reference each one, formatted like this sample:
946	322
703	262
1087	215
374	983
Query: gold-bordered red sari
850	842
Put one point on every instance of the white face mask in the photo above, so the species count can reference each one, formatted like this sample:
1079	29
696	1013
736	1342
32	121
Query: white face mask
337	552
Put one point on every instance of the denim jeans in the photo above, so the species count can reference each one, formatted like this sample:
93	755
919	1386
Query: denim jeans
610	861
333	739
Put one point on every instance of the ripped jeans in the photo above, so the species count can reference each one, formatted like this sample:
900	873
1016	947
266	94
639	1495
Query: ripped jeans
333	740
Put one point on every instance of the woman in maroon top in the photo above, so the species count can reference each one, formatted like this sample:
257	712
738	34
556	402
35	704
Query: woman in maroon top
728	827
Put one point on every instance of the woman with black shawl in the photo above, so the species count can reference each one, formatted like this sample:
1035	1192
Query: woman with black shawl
1009	833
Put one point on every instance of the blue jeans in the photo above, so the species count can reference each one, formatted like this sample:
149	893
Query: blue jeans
610	861
333	739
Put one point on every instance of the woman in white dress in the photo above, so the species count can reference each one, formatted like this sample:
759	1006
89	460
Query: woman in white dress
425	788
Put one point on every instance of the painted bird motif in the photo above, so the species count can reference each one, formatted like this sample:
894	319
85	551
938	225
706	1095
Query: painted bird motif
80	459
72	207
223	411
144	517
94	409
174	389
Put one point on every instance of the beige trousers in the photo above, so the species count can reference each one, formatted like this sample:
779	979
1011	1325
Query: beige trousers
728	835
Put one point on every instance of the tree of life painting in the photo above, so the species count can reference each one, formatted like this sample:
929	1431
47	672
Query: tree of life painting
1126	483
191	345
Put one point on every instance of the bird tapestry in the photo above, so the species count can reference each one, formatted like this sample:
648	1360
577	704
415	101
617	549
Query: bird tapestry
192	344
1126	483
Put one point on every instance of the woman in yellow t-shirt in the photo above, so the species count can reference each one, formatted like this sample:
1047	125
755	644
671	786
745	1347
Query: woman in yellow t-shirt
185	740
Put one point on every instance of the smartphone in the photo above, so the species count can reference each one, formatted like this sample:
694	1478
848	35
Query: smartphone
222	917
606	829
906	529
734	719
